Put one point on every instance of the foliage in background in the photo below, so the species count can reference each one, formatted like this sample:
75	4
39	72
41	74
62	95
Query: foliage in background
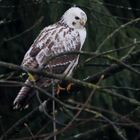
20	23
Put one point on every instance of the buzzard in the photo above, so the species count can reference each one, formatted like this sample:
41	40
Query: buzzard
68	34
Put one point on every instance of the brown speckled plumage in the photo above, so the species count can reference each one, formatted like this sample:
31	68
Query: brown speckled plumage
52	40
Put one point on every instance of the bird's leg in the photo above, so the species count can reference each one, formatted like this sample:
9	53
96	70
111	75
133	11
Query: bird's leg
68	88
59	89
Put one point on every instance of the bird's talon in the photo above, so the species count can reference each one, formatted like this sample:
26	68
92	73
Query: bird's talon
59	89
69	87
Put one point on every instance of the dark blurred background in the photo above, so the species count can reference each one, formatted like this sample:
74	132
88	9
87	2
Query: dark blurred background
20	23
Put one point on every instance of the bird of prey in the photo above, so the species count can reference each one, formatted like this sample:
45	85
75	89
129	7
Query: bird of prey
66	35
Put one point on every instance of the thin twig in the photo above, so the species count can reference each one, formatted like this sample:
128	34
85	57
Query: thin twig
21	121
53	108
78	113
24	32
131	49
116	31
114	68
29	130
121	63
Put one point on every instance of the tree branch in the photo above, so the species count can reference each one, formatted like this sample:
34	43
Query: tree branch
115	68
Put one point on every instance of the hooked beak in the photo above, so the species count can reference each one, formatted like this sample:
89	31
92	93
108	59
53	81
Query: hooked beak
82	22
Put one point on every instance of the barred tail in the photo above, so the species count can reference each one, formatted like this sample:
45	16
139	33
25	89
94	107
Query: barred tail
20	100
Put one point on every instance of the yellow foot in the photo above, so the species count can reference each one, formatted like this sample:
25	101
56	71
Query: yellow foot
68	88
59	89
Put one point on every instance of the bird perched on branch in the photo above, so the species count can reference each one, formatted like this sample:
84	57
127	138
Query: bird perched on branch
66	35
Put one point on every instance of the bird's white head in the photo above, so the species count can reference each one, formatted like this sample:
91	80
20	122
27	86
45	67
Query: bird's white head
75	18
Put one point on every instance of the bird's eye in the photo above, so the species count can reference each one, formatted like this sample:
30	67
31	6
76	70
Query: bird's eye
73	23
77	18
